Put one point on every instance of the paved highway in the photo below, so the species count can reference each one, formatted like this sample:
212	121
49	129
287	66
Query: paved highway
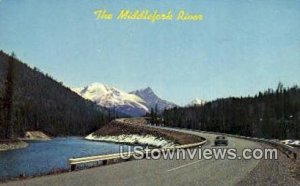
160	172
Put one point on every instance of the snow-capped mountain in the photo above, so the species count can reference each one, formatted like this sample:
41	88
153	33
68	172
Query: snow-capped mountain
196	102
152	100
135	103
113	98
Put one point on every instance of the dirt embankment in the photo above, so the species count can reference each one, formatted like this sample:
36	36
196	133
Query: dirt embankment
138	127
12	144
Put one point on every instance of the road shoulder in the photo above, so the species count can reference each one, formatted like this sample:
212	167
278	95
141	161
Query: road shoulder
283	171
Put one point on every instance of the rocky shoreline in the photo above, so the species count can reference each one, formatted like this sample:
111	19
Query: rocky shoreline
131	131
133	139
12	144
35	135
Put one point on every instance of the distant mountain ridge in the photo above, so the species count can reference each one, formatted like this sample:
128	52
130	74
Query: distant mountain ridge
135	103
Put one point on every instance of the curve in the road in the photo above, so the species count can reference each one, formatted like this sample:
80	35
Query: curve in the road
160	172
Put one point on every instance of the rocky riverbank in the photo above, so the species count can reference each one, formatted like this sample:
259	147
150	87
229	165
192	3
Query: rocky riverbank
35	135
147	140
12	144
135	133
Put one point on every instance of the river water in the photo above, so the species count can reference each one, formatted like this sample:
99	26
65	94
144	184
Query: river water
42	157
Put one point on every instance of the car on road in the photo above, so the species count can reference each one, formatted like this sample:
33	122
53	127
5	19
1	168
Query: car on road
221	140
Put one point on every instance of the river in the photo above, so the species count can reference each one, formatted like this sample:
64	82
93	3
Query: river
42	157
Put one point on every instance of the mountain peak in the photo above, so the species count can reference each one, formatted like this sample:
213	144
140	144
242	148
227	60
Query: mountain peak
147	89
135	103
111	97
152	99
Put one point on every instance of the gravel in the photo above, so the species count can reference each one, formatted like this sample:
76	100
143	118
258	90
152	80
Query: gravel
283	171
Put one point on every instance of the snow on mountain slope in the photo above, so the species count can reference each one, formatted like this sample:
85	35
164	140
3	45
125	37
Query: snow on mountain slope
152	100
111	97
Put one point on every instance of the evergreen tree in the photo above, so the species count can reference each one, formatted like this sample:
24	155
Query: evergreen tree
8	98
270	114
31	100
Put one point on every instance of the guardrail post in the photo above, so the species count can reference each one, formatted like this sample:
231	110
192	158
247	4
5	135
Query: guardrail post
295	155
73	167
104	162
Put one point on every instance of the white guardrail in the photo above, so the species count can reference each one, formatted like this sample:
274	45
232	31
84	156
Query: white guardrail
105	159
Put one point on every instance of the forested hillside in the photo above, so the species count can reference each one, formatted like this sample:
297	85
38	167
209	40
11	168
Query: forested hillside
41	103
271	114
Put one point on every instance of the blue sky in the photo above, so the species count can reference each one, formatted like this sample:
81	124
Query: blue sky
240	47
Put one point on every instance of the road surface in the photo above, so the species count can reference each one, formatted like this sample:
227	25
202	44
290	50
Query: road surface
160	172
